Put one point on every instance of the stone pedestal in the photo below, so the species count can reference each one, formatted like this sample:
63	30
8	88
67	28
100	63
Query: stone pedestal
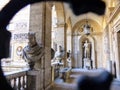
65	73
34	80
87	63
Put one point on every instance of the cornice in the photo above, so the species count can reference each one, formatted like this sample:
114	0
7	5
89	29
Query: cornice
114	12
116	26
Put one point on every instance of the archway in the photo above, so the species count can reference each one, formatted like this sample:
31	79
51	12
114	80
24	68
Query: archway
94	38
58	25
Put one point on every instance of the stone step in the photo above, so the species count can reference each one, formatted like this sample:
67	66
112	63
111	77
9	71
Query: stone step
116	82
86	72
64	86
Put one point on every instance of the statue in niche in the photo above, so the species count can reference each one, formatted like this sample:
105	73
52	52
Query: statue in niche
59	54
33	52
86	51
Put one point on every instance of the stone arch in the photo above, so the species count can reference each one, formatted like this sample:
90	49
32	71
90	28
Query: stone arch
78	37
60	12
96	26
59	8
59	30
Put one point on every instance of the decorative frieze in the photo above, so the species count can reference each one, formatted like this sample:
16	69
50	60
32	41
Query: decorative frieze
21	26
20	36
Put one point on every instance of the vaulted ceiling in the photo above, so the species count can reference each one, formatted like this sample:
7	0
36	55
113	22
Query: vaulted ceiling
92	18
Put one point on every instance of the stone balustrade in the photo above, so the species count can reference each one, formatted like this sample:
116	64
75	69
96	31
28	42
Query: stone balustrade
17	79
24	78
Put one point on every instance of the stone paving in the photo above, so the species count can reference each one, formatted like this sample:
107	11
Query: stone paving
71	83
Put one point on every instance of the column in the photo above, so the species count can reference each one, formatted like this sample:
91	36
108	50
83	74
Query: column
47	44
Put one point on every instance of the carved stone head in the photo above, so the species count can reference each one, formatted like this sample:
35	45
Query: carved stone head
59	48
31	39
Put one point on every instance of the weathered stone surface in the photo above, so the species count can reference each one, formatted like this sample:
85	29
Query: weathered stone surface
33	53
34	80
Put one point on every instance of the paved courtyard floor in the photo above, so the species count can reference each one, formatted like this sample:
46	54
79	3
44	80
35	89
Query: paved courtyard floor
71	83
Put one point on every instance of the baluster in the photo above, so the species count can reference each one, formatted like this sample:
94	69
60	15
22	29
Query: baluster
24	83
14	84
19	83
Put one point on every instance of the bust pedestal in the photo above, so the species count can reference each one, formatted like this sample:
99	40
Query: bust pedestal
34	80
87	63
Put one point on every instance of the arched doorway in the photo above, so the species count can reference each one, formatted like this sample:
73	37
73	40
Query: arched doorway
95	40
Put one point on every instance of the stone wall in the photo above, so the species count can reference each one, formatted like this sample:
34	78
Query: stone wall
36	21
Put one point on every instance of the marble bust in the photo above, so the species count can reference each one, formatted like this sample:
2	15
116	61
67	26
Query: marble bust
33	52
59	54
